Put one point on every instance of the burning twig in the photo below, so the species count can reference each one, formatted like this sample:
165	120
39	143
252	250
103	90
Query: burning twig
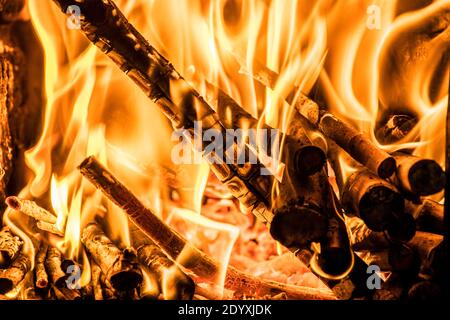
11	277
421	177
176	285
119	267
396	128
378	204
174	244
10	246
31	208
355	143
39	269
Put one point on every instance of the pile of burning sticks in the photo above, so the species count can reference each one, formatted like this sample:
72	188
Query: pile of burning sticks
382	213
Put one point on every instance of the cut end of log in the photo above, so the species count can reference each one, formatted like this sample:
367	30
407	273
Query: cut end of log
377	205
297	226
387	168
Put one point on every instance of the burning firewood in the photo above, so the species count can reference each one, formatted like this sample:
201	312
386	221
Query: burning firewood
429	215
10	246
176	285
307	158
53	266
355	143
421	177
41	275
119	267
11	277
378	204
9	9
45	220
173	244
172	281
300	215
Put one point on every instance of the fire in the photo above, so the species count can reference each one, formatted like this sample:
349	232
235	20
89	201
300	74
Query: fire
91	108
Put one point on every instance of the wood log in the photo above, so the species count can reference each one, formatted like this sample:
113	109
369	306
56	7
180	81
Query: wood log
300	210
119	267
429	215
355	143
378	204
41	276
425	291
31	208
420	177
53	266
174	244
105	25
10	246
11	277
176	285
307	156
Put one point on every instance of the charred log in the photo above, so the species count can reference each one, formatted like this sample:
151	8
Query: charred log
10	246
119	267
11	277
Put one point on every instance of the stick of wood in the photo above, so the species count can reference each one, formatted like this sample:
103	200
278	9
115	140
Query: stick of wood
39	269
364	239
421	177
355	143
174	244
53	266
50	228
11	277
378	204
10	246
119	267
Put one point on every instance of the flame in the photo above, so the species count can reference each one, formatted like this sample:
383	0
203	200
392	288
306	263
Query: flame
91	108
